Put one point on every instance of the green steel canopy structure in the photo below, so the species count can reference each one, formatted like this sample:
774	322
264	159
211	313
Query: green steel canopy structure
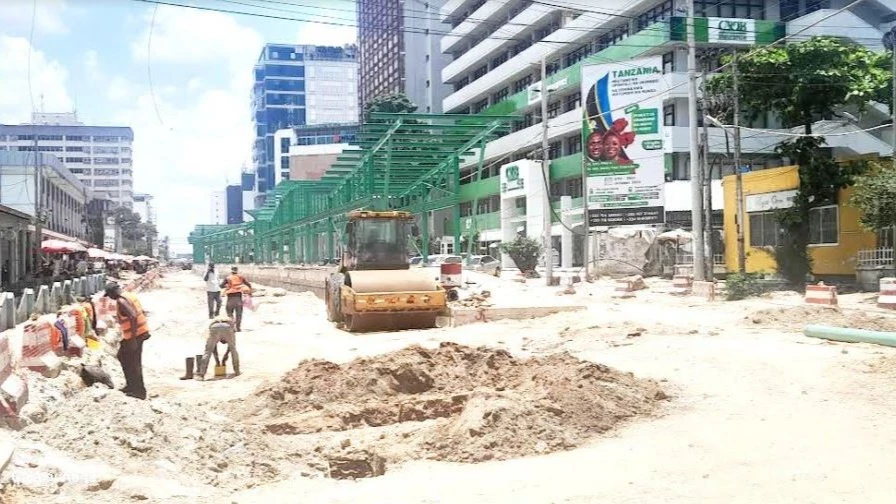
404	162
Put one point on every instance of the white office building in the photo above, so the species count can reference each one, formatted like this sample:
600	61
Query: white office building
100	156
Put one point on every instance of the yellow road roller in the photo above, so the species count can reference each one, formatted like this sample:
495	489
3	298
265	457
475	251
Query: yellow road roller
374	288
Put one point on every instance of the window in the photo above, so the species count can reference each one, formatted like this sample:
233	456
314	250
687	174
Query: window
669	115
284	145
466	208
104	160
498	61
105	150
284	70
522	84
668	62
26	137
461	83
106	172
50	137
552	67
105	139
479	72
764	229
500	95
74	160
76	138
479	106
574	144
74	149
105	183
577	55
284	163
790	9
824	226
749	9
553	109
573	101
658	13
555	149
612	37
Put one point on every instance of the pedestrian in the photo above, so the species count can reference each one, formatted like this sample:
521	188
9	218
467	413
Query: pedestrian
81	267
221	330
235	285
212	291
134	331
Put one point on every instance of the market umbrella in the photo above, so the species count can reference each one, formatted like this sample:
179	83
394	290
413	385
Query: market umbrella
61	247
677	235
95	253
142	258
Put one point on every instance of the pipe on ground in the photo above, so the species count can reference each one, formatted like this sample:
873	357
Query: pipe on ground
849	335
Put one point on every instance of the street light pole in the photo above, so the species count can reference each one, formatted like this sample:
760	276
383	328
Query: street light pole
546	176
889	41
738	178
696	182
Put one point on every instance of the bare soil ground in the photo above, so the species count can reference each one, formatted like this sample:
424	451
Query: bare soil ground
651	399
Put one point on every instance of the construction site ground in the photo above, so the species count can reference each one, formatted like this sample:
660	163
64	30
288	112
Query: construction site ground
652	398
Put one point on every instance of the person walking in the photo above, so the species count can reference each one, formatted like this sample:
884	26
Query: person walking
134	331
212	291
235	285
221	330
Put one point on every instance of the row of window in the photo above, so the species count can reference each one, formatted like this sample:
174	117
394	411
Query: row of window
824	227
60	138
97	161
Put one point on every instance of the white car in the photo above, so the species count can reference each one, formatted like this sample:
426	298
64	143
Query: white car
484	264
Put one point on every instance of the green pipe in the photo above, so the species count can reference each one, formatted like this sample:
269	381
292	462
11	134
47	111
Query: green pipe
849	335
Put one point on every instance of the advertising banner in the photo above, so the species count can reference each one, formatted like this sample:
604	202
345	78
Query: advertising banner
622	135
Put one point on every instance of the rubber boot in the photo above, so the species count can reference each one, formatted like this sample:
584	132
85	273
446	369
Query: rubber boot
189	372
199	375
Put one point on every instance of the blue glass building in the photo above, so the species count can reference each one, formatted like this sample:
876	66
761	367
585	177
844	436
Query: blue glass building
297	85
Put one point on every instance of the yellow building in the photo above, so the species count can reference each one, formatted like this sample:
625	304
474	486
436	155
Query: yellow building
835	233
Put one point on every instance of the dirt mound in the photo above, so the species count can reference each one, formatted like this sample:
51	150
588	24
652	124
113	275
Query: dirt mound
484	403
129	434
794	318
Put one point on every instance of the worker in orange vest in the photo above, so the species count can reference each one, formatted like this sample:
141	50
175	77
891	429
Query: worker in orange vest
235	285
134	331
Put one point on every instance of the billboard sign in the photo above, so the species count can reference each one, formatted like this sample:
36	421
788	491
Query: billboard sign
512	181
622	135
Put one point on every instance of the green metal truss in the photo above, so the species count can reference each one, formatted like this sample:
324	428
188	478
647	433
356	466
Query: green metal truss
402	162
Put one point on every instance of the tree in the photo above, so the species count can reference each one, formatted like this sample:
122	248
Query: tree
130	227
524	252
803	83
807	81
392	103
164	250
875	196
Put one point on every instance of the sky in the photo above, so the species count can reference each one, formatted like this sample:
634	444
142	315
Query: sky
188	102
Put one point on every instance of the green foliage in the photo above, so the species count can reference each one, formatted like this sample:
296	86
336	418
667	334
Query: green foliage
391	103
806	81
524	252
821	179
135	235
743	285
875	197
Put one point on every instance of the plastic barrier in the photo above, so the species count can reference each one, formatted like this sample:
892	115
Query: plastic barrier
65	338
37	349
450	274
13	389
681	284
821	294
705	290
886	298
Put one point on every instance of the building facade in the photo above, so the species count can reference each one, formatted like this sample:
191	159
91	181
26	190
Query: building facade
234	196
399	51
63	198
497	48
218	208
297	85
100	156
325	134
144	207
248	187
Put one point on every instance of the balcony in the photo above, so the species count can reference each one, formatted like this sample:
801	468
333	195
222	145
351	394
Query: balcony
453	7
480	22
844	24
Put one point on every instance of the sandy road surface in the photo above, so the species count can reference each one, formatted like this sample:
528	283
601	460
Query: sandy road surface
758	414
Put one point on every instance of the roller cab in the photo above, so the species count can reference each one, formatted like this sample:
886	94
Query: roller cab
374	288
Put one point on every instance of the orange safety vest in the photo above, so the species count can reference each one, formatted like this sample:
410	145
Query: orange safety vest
124	321
235	285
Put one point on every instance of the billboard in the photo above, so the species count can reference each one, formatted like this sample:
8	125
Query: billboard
512	181
622	135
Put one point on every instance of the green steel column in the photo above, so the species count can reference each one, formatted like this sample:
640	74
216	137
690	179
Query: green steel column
331	235
455	210
388	168
425	235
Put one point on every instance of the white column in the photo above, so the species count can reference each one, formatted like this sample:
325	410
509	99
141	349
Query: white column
565	232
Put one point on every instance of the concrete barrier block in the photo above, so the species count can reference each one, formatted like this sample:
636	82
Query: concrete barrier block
13	389
821	294
67	297
26	305
42	300
7	311
55	297
705	290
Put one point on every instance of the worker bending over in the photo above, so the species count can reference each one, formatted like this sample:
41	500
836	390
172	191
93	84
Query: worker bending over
219	331
235	285
134	331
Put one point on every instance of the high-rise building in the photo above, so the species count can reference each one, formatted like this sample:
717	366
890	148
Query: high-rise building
100	156
286	140
297	85
399	51
234	196
247	183
218	208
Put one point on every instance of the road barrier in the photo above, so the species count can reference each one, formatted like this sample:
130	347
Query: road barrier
681	284
13	389
886	297
821	294
37	348
705	290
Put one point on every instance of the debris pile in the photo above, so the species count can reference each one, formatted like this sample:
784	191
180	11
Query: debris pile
453	403
794	318
475	300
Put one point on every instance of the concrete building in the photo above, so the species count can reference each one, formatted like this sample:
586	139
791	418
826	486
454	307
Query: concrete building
234	196
63	200
286	140
100	156
218	208
297	85
398	42
497	48
247	183
144	207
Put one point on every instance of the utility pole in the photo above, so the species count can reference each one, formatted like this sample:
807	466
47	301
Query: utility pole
889	41
38	208
707	179
738	178
586	225
696	184
546	175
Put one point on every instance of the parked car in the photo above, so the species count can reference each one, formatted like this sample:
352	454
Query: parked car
484	264
416	262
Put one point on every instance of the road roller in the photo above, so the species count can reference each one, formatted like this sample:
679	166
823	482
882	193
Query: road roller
374	288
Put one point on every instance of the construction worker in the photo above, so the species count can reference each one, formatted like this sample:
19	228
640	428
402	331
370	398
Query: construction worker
235	285
212	291
221	330
134	331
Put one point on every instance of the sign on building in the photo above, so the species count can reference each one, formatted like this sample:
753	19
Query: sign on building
769	201
622	135
731	31
512	181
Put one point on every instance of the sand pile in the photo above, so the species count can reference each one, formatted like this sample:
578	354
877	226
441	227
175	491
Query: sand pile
794	318
481	403
141	436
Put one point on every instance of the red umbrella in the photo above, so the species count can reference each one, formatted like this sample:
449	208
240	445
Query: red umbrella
61	247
